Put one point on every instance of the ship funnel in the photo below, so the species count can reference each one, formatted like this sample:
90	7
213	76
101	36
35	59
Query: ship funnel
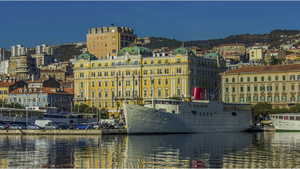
198	94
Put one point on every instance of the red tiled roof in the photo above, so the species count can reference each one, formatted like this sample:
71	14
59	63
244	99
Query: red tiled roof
6	84
44	90
38	80
271	68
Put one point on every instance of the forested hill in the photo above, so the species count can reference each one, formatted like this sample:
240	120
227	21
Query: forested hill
273	38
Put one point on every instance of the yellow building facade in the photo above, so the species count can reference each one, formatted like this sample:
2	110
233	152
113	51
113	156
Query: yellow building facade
129	77
107	41
278	85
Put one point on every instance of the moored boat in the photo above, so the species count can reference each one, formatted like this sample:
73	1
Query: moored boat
30	114
175	116
286	121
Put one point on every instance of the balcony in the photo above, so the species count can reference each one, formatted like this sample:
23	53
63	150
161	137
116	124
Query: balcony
22	65
21	71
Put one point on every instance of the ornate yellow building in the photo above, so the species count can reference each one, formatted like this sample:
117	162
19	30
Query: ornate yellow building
277	84
128	76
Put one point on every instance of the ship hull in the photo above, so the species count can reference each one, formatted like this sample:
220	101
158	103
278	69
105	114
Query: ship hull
145	120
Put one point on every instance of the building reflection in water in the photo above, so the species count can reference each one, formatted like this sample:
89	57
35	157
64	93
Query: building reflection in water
205	150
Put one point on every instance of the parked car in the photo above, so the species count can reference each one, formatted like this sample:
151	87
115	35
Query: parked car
84	126
72	125
16	127
119	126
97	126
50	126
64	126
33	127
3	127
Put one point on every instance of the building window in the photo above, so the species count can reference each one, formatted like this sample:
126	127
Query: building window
178	92
127	72
277	98
233	80
178	60
226	80
255	79
105	83
283	88
145	72
159	81
262	98
127	82
262	78
166	71
269	88
178	80
269	98
283	77
152	61
145	82
269	78
292	77
145	62
81	74
178	70
159	71
112	83
242	79
81	84
293	87
93	84
284	98
233	89
276	78
166	61
166	81
248	89
242	89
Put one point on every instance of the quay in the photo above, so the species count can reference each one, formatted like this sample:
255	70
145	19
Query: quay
63	132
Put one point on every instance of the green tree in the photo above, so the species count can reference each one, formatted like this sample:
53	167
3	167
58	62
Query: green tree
288	52
273	61
104	113
263	109
295	108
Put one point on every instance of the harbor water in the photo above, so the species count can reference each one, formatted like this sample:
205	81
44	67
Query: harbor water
204	150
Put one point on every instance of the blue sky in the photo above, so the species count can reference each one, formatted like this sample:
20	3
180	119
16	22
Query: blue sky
31	23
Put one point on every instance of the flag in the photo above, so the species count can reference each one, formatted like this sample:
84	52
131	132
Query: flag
118	105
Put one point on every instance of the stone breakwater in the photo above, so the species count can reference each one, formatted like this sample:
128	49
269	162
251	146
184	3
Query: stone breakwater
63	132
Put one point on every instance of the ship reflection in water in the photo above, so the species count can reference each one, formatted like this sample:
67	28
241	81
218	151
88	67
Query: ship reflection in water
204	150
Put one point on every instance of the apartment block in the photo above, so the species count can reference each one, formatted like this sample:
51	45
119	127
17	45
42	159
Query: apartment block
107	41
2	54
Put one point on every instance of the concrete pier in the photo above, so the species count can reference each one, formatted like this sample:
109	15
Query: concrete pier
63	132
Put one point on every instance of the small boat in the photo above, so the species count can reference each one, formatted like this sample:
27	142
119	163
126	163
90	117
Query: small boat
198	115
286	121
30	114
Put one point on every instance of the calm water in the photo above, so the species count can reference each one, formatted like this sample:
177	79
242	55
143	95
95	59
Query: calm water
208	150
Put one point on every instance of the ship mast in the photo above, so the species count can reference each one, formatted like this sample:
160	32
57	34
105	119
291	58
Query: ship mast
153	105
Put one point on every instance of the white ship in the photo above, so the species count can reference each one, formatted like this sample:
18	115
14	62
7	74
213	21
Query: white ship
30	114
286	121
175	116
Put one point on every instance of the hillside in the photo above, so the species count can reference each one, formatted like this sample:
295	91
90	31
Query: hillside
273	38
66	52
